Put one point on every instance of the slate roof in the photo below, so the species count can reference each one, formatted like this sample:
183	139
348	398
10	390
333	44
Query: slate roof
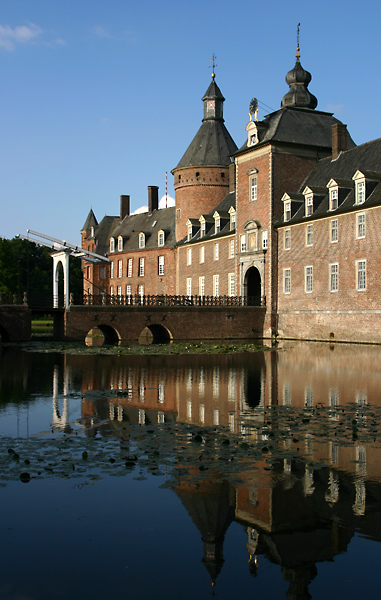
366	158
132	225
222	208
294	125
90	222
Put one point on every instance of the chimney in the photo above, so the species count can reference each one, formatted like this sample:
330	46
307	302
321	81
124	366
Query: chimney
232	177
124	207
153	198
339	139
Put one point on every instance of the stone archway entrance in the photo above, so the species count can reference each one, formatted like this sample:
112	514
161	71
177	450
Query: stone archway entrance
253	287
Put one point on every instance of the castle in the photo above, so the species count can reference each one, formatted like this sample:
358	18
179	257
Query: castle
290	221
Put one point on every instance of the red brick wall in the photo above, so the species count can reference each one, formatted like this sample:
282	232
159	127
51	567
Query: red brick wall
198	194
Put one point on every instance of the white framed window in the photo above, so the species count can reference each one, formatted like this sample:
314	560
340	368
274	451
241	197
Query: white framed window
232	220
334	231
231	249
128	294
216	251
202	254
119	291
360	225
309	235
308	279
120	243
141	291
334	277
160	238
253	188
189	256
189	236
111	270
120	268
129	267
160	265
216	285
217	224
189	286
178	213
243	242
112	245
333	199
112	290
141	267
231	284
202	413
201	286
309	205
287	210
361	275
360	192
142	240
287	281
287	239
202	227
264	239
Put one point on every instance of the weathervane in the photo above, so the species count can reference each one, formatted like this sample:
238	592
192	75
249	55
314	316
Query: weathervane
253	109
297	41
213	65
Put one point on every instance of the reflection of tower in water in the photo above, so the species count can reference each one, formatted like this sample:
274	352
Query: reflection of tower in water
60	420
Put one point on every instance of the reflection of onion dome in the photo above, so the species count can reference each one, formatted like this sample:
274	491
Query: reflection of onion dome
298	80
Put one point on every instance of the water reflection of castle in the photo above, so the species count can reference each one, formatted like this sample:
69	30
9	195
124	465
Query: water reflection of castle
294	513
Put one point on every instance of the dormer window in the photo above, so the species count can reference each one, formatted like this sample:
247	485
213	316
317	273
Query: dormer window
112	245
360	192
202	227
287	210
160	238
309	206
120	243
217	224
333	199
142	240
189	236
232	214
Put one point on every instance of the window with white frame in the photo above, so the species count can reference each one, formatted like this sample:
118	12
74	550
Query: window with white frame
216	251
128	294
160	266
178	213
231	283
253	188
264	239
360	218
189	236
202	254
112	290
142	240
160	238
141	267
334	277
309	205
120	268
189	256
287	210
129	267
216	285
287	239
120	243
231	249
202	227
217	224
334	231
201	286
243	242
112	270
141	291
333	199
361	275
308	279
119	291
189	286
112	245
360	192
287	281
232	220
309	235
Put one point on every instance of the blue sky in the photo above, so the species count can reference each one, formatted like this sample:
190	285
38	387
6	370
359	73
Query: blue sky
100	98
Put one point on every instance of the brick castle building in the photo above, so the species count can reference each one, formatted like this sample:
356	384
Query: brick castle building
289	221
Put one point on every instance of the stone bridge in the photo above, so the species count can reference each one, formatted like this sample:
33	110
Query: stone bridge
129	324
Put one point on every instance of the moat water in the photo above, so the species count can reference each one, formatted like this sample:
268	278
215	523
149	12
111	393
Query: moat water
251	475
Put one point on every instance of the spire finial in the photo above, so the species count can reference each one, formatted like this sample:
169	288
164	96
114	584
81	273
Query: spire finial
297	42
213	66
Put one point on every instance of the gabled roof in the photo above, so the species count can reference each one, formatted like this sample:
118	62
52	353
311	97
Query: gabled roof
90	222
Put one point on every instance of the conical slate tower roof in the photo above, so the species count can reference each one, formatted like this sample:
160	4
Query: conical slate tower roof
212	144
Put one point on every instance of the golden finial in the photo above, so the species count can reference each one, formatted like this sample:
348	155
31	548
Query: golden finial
297	42
213	66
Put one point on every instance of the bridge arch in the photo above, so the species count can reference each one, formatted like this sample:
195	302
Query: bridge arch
102	335
155	334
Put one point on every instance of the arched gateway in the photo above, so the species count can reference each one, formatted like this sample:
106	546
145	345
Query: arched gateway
253	287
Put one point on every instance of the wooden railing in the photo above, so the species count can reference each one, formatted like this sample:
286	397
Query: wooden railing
166	300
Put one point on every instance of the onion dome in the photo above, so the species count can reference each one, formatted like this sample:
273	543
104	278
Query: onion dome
298	80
